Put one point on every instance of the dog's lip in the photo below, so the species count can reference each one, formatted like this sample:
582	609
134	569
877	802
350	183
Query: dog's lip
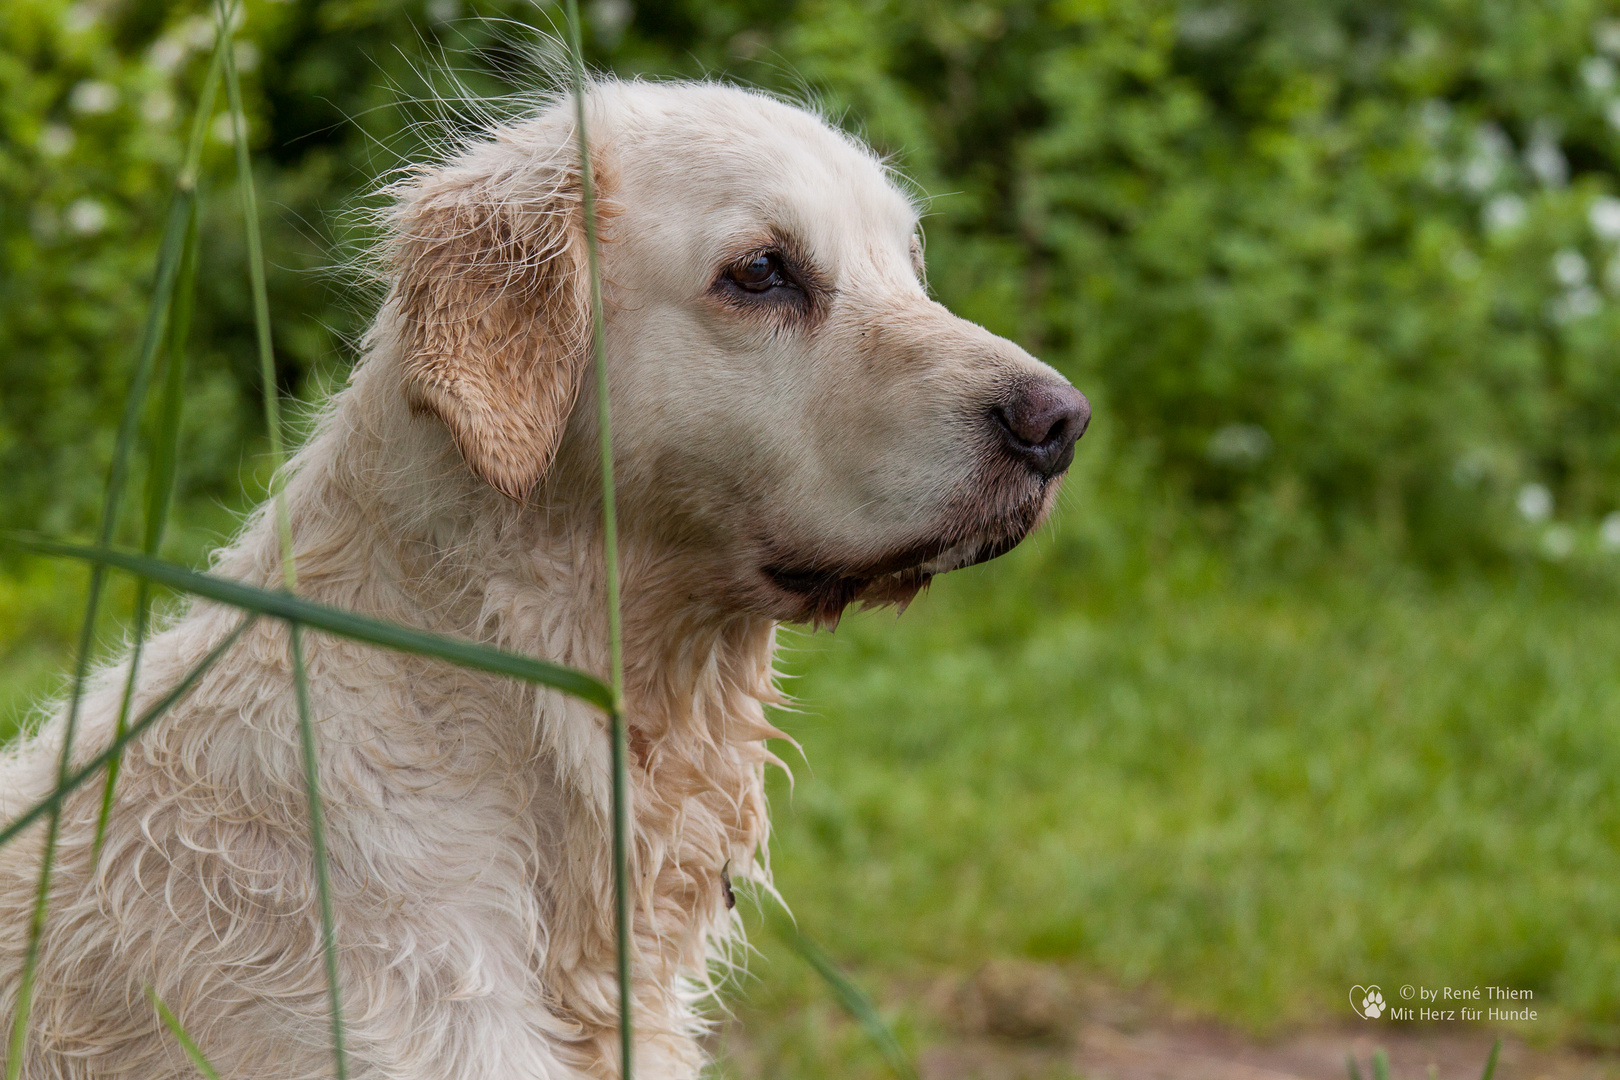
806	578
971	552
914	565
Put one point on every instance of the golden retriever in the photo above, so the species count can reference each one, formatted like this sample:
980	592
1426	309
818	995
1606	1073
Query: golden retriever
799	428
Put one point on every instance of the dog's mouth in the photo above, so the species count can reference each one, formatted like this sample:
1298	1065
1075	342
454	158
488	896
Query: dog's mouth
820	593
988	519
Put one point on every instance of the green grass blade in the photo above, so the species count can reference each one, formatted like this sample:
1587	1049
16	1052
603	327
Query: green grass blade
143	608
1352	1067
332	620
176	231
1380	1065
165	455
159	486
166	445
317	834
147	719
851	997
1490	1062
610	543
223	13
189	171
187	1044
289	571
168	271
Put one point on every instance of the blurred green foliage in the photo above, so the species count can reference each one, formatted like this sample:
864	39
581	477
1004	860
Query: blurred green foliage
1340	273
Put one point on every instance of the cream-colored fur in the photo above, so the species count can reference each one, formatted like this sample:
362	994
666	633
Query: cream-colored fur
779	456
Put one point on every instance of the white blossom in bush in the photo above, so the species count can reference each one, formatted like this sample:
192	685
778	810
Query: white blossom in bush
1535	502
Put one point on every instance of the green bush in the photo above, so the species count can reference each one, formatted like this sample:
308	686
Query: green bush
1337	273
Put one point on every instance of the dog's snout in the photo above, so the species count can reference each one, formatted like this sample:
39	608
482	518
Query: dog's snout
1041	422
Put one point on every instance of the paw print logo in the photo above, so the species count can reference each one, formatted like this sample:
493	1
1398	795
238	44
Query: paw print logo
1367	1001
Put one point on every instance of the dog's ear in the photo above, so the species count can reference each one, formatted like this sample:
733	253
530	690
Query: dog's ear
494	305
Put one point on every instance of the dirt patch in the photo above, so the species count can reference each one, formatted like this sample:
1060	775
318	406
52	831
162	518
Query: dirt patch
1013	1020
1007	999
1204	1052
1063	1026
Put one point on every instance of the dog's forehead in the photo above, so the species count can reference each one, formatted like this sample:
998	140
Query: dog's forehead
725	165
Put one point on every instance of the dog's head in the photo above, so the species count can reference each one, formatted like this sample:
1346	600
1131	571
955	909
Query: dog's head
797	425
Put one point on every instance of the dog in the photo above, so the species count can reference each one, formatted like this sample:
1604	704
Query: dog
798	428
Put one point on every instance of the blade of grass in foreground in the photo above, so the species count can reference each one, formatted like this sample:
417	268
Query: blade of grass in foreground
177	231
610	544
1490	1062
851	997
272	420
148	718
317	837
165	454
224	13
332	620
186	1042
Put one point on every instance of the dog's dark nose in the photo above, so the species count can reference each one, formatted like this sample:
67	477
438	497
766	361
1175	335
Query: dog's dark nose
1040	424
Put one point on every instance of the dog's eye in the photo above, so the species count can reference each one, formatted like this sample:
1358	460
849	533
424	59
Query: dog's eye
760	273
